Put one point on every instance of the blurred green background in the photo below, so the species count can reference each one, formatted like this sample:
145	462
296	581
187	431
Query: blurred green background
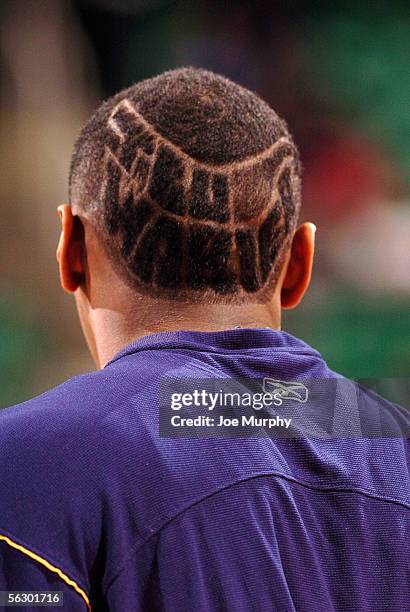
337	72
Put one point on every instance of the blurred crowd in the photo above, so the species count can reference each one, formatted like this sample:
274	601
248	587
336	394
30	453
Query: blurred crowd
337	72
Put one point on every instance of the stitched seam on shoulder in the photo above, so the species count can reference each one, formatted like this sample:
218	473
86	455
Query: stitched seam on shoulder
342	488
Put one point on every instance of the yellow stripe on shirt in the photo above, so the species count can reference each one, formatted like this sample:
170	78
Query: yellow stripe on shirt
49	566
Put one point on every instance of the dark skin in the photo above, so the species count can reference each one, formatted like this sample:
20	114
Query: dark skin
112	314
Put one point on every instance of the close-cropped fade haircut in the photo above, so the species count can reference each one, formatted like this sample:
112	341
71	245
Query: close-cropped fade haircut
193	184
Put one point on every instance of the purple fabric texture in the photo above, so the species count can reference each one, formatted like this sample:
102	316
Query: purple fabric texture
144	523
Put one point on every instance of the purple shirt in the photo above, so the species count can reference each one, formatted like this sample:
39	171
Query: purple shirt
94	503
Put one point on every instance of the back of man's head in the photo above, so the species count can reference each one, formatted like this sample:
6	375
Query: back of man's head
193	185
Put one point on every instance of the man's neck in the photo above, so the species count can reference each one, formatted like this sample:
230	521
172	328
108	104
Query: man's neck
114	329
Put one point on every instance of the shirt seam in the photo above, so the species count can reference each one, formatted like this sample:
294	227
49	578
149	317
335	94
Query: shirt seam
314	487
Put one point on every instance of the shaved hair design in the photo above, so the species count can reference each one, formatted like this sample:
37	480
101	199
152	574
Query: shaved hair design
193	183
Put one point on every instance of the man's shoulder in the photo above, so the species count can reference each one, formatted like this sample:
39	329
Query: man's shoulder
62	455
369	414
86	428
77	412
49	480
62	404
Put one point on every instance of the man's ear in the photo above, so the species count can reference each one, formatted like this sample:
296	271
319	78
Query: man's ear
299	268
71	252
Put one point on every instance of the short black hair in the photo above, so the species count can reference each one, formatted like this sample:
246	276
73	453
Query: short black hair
193	183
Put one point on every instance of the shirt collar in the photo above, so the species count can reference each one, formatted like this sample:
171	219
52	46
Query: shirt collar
247	339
